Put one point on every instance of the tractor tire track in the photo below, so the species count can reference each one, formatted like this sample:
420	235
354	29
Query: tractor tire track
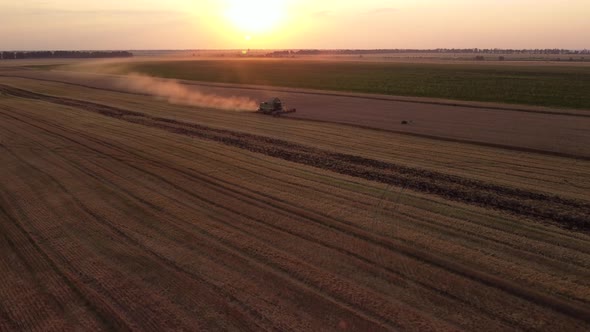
569	213
539	151
299	184
222	221
126	238
183	234
358	309
530	295
433	224
104	312
347	301
101	277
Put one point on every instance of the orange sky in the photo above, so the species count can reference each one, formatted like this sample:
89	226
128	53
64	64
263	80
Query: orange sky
234	24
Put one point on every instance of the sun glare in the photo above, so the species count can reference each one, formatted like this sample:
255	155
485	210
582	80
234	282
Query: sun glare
255	16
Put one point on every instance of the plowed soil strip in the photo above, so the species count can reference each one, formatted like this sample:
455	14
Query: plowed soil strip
573	214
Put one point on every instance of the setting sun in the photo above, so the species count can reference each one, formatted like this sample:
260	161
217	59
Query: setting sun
255	16
230	165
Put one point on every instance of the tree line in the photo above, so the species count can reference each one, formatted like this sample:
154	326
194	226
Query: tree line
437	50
63	54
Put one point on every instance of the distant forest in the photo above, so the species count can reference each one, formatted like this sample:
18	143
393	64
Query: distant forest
64	55
430	51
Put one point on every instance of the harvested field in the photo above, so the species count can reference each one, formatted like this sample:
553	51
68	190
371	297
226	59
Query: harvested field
528	129
121	212
570	213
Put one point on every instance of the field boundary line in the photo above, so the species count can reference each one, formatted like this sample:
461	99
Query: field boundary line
397	132
358	95
381	97
441	184
453	140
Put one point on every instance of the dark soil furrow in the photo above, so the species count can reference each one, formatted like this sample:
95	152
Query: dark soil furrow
425	223
557	304
569	213
482	143
252	200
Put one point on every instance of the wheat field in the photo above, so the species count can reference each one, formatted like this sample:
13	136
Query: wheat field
121	212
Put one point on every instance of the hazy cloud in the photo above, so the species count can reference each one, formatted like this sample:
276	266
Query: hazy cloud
109	24
110	13
383	10
323	13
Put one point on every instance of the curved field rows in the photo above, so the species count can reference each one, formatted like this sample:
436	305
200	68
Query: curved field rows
570	213
563	176
123	221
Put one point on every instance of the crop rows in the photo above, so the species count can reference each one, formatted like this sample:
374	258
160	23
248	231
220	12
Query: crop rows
570	213
560	86
116	219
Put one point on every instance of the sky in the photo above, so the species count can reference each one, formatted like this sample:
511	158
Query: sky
293	24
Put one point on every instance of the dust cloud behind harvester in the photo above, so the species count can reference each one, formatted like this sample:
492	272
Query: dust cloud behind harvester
177	93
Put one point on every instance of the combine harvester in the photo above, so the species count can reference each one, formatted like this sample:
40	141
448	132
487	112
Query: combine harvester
274	107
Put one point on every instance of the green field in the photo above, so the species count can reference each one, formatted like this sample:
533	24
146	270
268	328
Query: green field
542	85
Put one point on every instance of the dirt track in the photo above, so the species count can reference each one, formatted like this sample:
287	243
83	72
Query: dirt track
113	218
527	129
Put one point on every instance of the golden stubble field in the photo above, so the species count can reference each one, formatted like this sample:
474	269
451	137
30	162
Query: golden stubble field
119	211
546	130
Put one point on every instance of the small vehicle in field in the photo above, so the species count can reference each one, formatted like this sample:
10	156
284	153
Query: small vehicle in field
274	107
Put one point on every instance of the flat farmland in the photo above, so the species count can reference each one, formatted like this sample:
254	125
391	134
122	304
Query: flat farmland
521	128
540	84
121	212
